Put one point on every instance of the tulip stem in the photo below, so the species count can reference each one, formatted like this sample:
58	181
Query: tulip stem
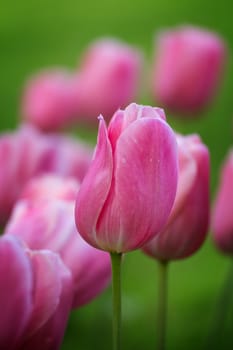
162	304
116	299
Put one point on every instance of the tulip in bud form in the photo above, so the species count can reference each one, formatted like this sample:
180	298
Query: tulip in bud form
222	218
127	194
187	69
48	101
188	222
108	78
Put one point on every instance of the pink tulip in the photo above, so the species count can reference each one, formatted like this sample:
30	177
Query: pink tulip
44	219
188	67
222	220
36	287
48	101
27	153
108	78
188	222
127	195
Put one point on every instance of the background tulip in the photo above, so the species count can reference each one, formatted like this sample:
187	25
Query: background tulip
222	221
48	101
44	286
187	225
108	78
28	153
16	303
117	212
188	66
44	219
188	222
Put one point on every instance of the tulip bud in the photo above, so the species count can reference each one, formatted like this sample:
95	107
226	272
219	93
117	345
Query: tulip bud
108	78
44	219
188	66
188	222
48	101
127	194
222	220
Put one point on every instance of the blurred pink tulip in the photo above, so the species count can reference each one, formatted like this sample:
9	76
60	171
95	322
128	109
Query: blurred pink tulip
36	287
44	219
126	197
27	153
108	78
188	67
188	222
222	218
48	101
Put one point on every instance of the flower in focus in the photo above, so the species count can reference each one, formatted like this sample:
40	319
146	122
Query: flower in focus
222	219
44	219
188	67
35	297
188	222
128	192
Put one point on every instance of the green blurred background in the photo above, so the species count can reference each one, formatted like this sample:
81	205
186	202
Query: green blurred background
45	33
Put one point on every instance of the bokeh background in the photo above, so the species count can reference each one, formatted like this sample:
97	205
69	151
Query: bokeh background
46	33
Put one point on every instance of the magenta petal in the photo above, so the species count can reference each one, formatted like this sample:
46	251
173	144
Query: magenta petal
96	184
16	281
145	184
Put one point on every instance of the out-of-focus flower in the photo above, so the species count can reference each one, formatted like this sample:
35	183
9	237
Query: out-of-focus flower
48	100
35	297
108	78
222	218
44	219
28	153
188	67
188	222
127	195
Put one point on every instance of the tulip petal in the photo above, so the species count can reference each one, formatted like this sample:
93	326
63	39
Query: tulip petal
47	288
16	282
97	183
50	335
145	178
187	175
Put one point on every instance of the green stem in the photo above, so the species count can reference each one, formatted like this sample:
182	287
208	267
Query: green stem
221	310
116	299
162	304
